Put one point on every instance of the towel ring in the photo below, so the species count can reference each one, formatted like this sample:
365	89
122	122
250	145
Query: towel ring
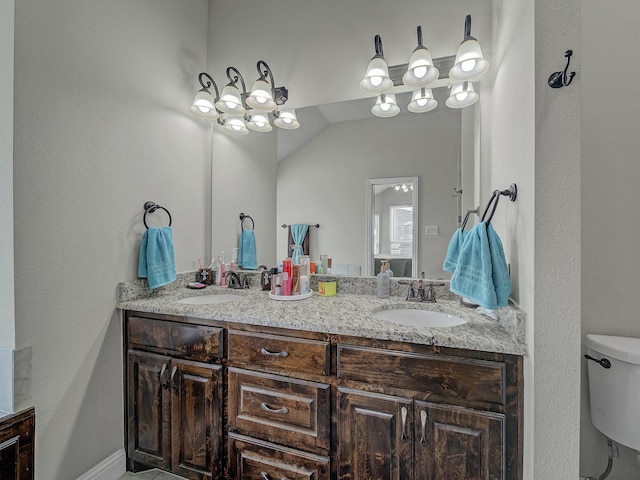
243	217
150	207
466	218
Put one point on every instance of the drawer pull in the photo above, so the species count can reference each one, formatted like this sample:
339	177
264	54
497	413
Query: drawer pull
265	476
174	386
282	354
403	414
267	408
423	426
164	381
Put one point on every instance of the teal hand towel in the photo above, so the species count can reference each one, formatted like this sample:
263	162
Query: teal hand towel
481	274
247	256
298	232
156	261
453	251
499	268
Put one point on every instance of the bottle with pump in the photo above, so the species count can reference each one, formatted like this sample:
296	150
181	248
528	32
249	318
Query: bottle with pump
384	283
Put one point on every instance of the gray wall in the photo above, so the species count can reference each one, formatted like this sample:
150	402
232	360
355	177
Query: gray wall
101	126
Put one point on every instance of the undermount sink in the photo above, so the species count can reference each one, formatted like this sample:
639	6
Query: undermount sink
420	318
213	298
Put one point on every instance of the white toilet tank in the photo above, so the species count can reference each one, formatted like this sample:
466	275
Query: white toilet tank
615	391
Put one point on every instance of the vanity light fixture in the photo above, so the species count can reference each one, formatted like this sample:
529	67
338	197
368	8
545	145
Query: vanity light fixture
420	71
462	95
238	111
204	103
287	119
469	64
376	79
422	101
386	106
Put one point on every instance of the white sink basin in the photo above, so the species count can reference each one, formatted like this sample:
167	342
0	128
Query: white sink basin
420	318
213	298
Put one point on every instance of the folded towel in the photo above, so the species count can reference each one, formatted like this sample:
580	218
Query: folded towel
481	274
298	233
455	244
247	257
499	268
156	261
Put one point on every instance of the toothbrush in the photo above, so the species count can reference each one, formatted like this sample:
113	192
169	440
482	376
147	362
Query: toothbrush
200	264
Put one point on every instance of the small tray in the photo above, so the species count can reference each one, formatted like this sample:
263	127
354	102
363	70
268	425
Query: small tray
290	298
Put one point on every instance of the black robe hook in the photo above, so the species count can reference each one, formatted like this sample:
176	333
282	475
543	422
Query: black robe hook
560	79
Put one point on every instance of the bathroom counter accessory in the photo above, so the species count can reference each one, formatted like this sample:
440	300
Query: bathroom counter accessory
290	298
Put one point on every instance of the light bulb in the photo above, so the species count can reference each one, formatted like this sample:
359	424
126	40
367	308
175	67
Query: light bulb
468	65
420	72
422	102
385	107
375	81
461	96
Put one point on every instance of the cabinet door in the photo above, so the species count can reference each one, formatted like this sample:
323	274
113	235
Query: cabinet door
196	420
374	436
455	443
149	403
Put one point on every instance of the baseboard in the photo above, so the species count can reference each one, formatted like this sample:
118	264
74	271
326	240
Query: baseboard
111	468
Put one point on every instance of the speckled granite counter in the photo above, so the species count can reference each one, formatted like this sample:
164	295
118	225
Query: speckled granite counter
347	313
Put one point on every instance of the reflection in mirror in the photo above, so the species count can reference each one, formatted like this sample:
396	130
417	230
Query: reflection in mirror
392	214
323	176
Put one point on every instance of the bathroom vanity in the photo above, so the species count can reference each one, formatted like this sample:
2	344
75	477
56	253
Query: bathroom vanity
318	389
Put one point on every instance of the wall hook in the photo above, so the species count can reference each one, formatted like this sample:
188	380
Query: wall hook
457	192
560	79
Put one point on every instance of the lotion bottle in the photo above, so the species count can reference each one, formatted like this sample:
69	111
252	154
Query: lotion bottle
384	283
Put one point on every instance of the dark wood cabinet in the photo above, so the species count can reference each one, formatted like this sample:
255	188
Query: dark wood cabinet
174	398
213	400
17	445
458	443
149	409
374	436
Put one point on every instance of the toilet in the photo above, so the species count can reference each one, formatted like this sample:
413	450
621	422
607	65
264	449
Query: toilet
615	391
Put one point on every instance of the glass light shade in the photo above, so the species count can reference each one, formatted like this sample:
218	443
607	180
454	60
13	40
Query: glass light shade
376	80
203	105
230	101
259	121
261	98
421	71
422	101
287	119
469	64
235	124
461	97
386	107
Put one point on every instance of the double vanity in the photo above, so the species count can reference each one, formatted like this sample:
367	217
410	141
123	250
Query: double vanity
230	384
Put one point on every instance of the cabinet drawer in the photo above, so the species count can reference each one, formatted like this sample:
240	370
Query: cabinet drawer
450	377
289	411
278	353
254	459
194	342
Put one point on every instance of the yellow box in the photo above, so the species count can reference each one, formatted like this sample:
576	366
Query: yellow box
327	286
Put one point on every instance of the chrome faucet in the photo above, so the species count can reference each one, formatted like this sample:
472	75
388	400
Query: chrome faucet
233	279
430	296
412	295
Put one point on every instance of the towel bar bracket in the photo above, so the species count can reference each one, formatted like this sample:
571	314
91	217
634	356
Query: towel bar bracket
511	192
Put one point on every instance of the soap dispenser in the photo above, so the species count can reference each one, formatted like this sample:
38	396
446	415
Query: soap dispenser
384	283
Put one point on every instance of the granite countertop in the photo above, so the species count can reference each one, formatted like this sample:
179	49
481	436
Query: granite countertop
343	314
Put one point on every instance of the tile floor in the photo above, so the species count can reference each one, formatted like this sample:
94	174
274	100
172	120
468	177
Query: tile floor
154	474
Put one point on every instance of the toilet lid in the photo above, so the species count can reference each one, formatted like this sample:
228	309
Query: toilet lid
626	349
